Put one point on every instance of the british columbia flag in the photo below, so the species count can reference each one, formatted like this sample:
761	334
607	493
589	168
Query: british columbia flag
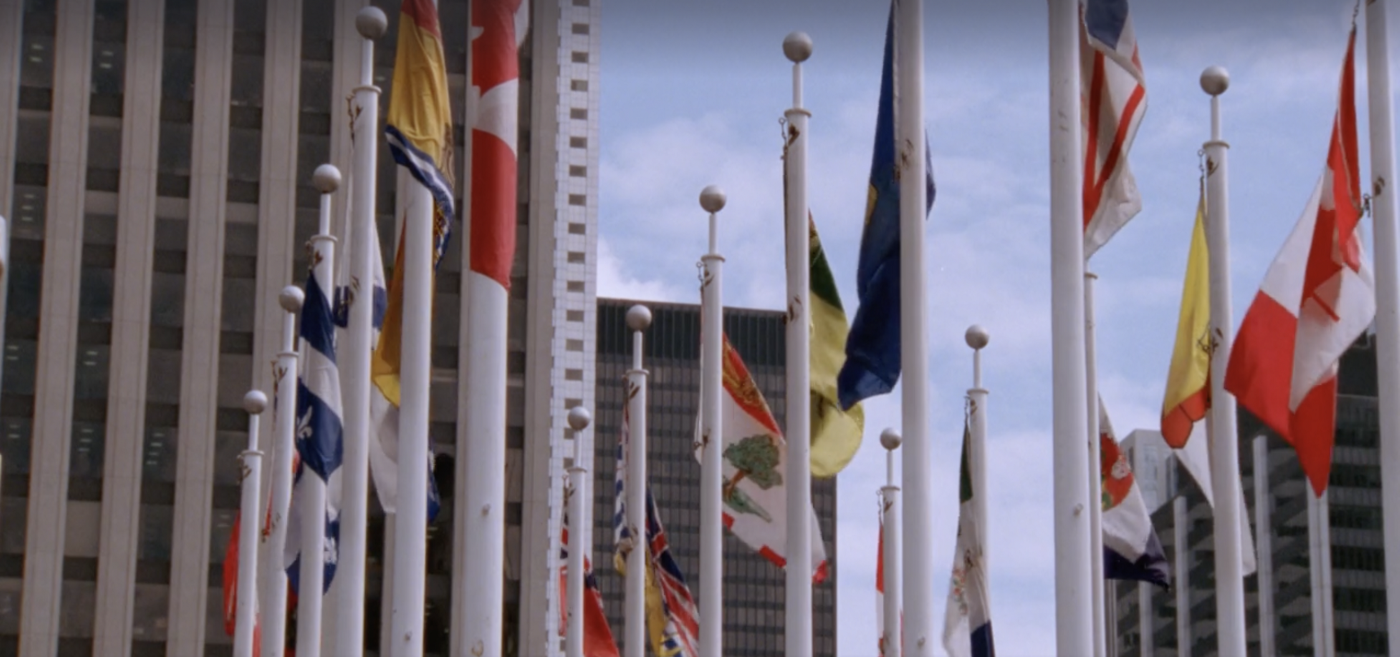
1114	101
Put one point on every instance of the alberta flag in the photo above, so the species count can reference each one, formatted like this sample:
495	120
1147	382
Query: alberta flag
1131	549
967	622
318	426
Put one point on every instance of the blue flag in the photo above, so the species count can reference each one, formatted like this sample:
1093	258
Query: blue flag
872	348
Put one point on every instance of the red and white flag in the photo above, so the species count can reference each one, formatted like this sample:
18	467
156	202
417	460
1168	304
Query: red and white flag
498	27
1114	102
1317	298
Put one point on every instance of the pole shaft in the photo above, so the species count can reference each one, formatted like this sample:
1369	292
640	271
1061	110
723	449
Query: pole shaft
1263	508
977	456
917	479
894	594
711	466
578	480
1095	481
1146	629
248	544
1225	458
635	593
410	554
274	578
1383	214
798	625
1074	625
1182	569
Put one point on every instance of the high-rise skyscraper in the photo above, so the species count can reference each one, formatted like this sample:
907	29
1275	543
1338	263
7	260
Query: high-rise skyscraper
753	586
155	165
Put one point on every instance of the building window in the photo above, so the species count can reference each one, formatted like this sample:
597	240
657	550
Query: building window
576	257
578	142
578	113
580	57
578	171
580	28
575	286
578	85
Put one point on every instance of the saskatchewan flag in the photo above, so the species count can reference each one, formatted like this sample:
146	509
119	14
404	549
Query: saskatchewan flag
835	433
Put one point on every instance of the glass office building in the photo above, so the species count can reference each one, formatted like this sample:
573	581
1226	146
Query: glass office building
155	166
753	586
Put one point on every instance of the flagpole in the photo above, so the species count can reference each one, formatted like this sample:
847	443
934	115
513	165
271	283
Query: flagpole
894	595
1320	569
578	529
273	573
1182	567
1146	631
1074	625
712	434
1097	582
349	607
1225	458
798	626
1383	214
638	319
913	326
1263	503
978	338
326	179
254	402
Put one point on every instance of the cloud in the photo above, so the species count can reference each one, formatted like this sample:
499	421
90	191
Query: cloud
617	281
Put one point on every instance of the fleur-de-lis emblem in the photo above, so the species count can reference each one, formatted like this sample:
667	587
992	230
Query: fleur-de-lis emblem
304	429
331	554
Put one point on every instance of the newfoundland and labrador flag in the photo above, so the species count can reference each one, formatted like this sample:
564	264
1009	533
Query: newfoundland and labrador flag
1131	549
1115	99
967	621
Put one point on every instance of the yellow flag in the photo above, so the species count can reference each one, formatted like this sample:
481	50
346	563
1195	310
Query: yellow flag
836	434
1188	381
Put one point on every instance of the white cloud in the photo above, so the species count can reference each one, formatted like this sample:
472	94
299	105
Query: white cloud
618	281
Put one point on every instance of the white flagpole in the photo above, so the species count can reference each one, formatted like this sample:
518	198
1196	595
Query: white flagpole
894	595
913	327
1182	568
1263	503
254	402
1383	214
326	180
711	435
349	607
273	573
578	529
798	626
978	338
1225	457
1146	630
1320	571
635	639
1074	625
1091	378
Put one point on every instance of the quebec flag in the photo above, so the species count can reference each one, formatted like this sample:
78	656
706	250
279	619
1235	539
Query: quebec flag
318	426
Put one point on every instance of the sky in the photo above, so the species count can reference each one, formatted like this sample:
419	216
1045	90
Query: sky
691	94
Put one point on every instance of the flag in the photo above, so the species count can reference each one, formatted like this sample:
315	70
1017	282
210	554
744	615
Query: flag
498	27
319	434
1316	299
1115	99
1188	381
880	588
967	620
754	452
597	636
873	346
836	433
1131	549
231	588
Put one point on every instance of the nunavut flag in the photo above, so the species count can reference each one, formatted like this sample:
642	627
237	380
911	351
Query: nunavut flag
1316	299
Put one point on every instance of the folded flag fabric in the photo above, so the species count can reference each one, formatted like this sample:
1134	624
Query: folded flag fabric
967	620
597	635
1115	100
1317	298
880	586
1131	549
755	454
836	433
873	345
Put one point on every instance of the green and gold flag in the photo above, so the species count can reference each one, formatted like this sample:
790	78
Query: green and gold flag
835	433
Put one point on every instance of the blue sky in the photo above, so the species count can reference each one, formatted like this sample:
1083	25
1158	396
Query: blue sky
692	93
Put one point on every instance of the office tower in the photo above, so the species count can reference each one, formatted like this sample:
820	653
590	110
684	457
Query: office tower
155	163
753	587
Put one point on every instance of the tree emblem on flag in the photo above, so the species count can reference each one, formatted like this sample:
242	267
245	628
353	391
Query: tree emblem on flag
754	458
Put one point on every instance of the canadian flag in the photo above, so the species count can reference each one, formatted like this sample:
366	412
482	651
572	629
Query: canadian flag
1316	300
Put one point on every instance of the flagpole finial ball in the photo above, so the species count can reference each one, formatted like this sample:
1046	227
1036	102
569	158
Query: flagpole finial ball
254	402
798	47
977	337
371	23
890	439
579	418
326	178
638	317
291	299
712	198
1215	80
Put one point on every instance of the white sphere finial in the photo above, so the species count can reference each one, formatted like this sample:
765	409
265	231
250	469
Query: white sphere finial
254	402
326	178
579	417
890	439
798	47
977	337
291	298
371	23
1215	80
712	199
638	317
